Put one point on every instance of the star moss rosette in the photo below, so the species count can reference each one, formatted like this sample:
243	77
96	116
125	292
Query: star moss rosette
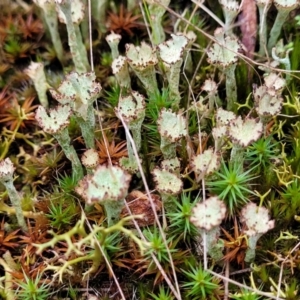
108	185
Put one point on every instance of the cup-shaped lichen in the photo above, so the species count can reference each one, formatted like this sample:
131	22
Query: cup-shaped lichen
143	60
113	40
207	216
187	57
108	185
257	221
172	165
171	127
205	163
224	54
90	159
120	70
242	133
275	83
171	53
267	103
79	91
169	185
211	88
56	124
220	132
132	109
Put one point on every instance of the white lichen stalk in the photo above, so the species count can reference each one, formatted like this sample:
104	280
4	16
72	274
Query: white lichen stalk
132	109
171	53
284	7
211	88
36	73
187	57
50	16
157	11
6	178
230	9
225	55
71	12
263	7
